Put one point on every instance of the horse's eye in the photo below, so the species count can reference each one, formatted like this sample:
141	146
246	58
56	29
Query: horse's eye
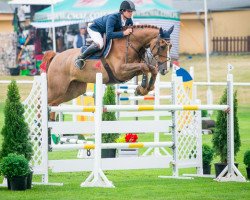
163	47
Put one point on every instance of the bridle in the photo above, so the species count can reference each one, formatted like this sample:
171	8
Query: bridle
154	56
157	45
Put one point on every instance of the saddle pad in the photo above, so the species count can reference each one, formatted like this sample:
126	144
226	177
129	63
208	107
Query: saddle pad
101	53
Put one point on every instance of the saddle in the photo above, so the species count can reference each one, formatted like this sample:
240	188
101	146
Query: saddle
99	54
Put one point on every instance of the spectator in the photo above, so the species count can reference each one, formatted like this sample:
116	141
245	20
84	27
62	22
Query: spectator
80	39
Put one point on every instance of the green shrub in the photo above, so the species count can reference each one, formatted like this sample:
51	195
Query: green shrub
207	154
220	133
15	131
109	99
204	113
247	158
14	165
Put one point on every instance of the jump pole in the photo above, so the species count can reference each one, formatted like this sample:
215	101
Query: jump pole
97	178
230	172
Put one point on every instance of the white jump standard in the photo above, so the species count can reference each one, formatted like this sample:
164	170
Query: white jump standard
37	109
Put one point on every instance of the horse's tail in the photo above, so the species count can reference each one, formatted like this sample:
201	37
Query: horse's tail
47	58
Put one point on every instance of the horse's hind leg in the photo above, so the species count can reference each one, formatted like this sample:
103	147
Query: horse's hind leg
75	89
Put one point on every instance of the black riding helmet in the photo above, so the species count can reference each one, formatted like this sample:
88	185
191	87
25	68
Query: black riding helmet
127	5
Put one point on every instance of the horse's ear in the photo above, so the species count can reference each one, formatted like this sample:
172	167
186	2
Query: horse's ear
166	33
161	32
170	30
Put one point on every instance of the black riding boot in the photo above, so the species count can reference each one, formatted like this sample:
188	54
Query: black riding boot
79	62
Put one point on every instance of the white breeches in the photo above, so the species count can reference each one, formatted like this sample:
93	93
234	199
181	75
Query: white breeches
96	37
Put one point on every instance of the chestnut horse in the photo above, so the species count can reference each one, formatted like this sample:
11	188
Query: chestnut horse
126	59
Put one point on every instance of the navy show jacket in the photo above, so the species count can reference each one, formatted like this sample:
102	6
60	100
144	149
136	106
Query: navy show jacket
111	25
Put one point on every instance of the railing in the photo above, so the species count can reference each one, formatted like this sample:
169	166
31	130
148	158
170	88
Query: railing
231	45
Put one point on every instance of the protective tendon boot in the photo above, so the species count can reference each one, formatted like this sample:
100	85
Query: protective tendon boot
80	60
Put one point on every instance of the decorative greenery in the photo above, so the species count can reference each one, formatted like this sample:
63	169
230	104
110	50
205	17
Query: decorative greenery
14	165
109	99
15	131
247	158
204	113
220	134
207	154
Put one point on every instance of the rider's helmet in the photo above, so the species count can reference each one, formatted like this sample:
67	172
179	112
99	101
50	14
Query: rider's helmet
127	5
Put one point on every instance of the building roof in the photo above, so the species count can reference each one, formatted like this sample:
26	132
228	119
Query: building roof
6	8
190	6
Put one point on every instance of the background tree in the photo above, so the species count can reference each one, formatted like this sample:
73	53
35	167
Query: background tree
109	99
220	134
15	130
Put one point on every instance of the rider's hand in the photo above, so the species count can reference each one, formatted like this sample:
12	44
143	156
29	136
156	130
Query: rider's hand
127	31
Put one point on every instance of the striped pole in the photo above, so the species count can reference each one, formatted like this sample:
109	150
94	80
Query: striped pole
113	145
145	98
130	91
113	108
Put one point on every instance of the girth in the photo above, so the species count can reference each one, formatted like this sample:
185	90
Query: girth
112	78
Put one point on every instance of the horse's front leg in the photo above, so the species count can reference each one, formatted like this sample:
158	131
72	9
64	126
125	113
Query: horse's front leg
130	70
143	88
154	72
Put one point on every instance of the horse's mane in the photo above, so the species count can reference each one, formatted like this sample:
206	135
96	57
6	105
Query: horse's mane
141	26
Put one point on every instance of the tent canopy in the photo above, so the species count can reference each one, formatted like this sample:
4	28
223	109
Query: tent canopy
77	11
34	2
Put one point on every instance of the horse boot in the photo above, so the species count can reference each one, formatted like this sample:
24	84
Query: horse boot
80	60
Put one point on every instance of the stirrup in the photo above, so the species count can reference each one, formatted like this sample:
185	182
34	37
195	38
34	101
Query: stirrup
80	63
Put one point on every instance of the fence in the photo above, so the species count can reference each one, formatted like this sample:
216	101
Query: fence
231	45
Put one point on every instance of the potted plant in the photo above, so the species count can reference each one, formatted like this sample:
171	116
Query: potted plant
15	168
15	131
109	99
247	162
128	138
207	157
219	139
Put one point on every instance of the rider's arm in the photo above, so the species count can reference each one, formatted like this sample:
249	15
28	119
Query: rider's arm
110	28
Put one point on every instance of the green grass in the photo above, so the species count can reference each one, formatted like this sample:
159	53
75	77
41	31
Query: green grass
145	184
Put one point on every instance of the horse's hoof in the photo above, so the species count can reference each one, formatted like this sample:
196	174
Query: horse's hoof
137	92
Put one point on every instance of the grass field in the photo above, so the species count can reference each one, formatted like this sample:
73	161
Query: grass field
145	184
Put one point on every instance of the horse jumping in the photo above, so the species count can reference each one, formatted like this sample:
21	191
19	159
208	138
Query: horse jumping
126	59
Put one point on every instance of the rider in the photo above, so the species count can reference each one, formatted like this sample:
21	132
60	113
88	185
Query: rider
111	25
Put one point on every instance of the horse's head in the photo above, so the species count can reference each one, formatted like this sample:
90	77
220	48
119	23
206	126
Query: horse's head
160	48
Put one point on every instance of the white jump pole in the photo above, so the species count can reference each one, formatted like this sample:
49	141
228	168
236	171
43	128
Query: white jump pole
230	173
97	178
114	108
113	145
44	97
156	115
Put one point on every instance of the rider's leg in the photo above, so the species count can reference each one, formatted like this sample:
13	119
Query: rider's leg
95	46
79	62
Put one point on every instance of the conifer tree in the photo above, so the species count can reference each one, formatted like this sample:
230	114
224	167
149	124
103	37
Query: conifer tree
220	134
15	131
109	99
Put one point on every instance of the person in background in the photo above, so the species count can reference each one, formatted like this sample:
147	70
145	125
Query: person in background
80	39
111	25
